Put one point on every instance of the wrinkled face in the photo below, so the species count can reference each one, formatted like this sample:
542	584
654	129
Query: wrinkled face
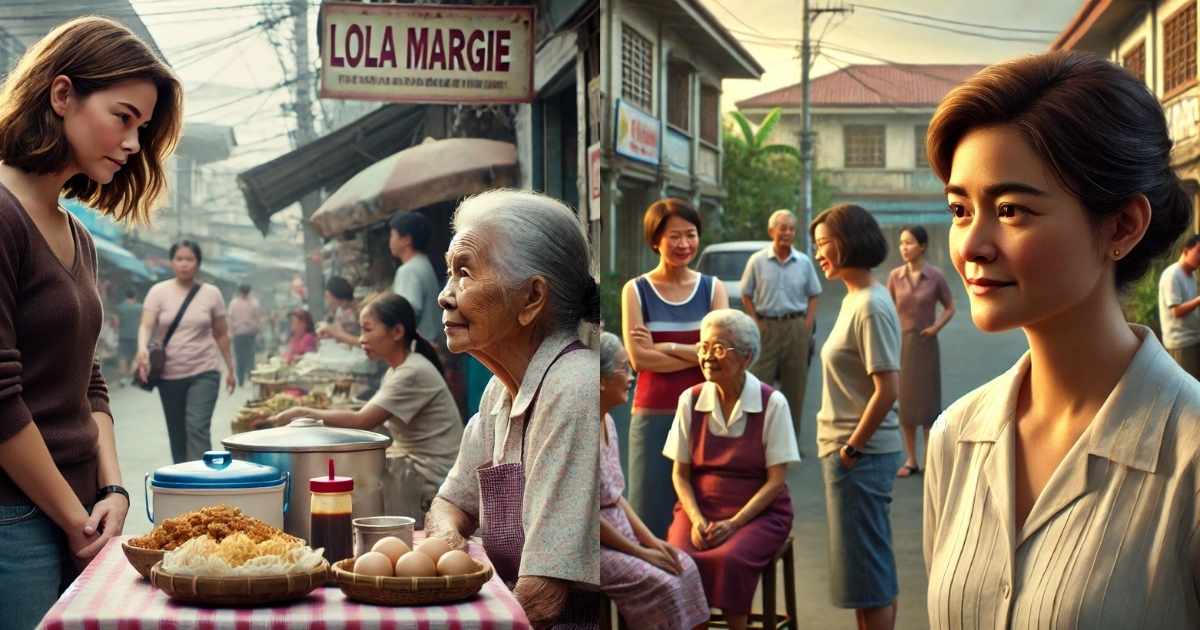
783	233
1024	246
614	388
726	369
679	241
103	128
184	264
827	251
376	339
476	313
910	248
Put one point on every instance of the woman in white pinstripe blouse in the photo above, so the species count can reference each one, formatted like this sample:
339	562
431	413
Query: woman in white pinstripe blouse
1063	494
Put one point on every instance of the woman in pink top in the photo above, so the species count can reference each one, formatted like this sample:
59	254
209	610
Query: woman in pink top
191	377
304	336
917	287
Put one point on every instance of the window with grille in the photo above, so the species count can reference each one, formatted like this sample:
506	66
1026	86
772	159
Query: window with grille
679	95
1179	48
637	69
710	114
919	132
864	146
1135	61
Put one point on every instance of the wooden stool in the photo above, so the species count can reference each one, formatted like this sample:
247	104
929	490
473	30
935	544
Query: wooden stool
770	619
609	613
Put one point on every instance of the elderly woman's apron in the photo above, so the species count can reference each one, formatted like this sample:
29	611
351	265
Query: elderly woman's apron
501	494
726	473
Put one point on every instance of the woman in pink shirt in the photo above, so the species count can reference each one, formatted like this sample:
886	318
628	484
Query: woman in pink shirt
304	336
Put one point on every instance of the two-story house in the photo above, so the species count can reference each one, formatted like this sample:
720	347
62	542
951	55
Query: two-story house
661	85
1156	41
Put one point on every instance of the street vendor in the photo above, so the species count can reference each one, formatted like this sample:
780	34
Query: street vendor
518	294
342	322
413	403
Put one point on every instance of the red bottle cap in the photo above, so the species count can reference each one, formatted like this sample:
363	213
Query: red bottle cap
331	483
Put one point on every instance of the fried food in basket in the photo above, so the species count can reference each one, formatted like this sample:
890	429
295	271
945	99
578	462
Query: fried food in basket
217	522
237	555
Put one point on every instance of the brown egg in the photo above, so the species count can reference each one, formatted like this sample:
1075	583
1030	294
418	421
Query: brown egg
415	564
373	563
433	547
455	562
391	547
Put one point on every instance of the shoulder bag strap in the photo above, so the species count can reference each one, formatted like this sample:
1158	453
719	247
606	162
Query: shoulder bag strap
179	316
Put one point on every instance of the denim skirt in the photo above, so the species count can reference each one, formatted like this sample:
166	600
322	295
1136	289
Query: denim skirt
862	567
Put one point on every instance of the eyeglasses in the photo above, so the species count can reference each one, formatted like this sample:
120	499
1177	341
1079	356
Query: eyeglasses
715	350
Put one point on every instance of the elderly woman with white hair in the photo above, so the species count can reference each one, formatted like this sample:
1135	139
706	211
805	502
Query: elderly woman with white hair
519	291
652	583
731	441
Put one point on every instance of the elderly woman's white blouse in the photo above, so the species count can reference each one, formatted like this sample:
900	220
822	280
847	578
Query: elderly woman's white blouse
1112	542
562	460
779	438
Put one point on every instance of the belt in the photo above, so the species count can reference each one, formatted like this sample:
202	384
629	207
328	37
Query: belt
776	318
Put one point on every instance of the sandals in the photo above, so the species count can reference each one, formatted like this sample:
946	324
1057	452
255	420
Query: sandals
908	470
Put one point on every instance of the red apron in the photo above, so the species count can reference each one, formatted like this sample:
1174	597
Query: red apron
501	494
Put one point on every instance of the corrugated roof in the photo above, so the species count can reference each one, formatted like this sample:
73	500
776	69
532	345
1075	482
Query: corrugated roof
908	85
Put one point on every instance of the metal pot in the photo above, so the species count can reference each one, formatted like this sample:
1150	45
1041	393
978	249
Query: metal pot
303	448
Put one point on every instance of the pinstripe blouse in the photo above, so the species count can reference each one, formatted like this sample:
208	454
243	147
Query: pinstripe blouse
1111	543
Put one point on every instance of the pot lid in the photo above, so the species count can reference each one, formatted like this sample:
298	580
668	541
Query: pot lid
306	435
218	469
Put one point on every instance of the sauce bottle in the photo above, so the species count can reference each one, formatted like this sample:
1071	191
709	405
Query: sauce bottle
331	511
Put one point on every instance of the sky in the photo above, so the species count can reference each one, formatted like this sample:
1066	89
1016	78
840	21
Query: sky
771	29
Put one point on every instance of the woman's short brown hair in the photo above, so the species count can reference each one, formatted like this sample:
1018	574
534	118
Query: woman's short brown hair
860	242
655	219
1098	129
95	54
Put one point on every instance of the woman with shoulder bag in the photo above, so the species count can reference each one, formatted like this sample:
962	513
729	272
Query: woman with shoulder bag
90	113
190	379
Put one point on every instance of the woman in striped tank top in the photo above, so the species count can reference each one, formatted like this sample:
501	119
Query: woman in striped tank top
661	312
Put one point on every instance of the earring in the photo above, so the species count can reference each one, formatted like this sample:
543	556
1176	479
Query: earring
1116	253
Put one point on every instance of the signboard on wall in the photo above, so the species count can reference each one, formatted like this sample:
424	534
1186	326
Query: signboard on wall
427	53
638	134
593	161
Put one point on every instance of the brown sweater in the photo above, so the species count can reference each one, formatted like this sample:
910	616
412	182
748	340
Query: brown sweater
50	320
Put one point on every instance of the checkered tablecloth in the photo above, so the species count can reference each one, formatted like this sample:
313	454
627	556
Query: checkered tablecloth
111	594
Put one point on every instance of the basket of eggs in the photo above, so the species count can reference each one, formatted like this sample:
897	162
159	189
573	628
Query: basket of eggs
393	575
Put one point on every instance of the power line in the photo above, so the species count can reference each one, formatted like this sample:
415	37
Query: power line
849	71
956	31
949	21
740	20
914	68
282	84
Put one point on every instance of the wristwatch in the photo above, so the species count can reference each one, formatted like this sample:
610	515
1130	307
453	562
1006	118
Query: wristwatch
852	452
102	493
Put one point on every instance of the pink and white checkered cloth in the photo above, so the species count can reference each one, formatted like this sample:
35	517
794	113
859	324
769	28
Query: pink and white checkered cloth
110	594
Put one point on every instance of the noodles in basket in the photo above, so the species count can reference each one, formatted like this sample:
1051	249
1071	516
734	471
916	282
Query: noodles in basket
237	555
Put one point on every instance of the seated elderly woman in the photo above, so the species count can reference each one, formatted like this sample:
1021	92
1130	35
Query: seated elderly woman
731	441
518	293
653	584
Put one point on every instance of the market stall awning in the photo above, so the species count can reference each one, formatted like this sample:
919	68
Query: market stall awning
434	171
122	258
329	160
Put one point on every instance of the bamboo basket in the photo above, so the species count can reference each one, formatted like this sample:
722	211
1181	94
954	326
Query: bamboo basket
141	558
408	591
238	591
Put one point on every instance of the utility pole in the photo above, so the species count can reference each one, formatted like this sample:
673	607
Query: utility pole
806	133
314	280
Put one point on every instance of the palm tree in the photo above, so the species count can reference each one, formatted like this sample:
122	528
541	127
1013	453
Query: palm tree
756	141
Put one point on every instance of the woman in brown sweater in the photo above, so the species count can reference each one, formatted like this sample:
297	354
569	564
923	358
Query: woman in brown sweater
91	113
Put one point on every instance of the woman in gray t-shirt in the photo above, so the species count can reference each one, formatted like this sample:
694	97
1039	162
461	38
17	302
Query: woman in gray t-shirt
857	436
412	403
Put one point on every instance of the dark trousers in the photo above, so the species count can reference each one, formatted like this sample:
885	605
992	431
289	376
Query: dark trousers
243	355
188	404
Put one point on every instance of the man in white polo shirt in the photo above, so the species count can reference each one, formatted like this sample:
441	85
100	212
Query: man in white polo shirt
1177	305
779	290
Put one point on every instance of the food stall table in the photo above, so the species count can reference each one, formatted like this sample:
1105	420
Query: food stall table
111	594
